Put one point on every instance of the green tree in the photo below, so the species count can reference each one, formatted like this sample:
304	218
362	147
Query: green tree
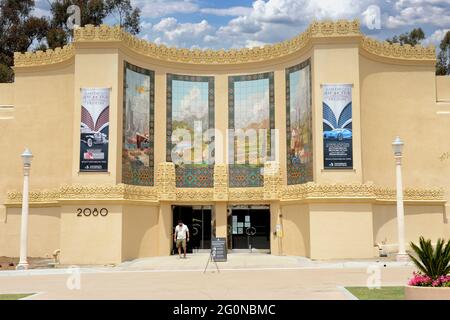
127	17
18	31
414	37
443	63
92	12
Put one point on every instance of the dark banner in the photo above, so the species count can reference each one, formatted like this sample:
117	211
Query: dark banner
337	126
94	131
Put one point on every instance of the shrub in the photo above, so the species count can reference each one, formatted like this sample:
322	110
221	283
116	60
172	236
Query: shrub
433	263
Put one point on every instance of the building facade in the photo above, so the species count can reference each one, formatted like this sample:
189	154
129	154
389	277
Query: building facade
128	137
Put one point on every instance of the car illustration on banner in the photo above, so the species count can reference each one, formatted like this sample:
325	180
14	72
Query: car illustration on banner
91	138
338	134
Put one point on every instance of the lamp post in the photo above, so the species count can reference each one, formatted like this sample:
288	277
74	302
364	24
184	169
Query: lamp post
397	146
27	156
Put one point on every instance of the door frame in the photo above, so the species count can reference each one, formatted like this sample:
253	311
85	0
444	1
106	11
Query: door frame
192	207
254	207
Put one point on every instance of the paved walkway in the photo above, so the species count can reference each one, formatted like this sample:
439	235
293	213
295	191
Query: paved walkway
260	277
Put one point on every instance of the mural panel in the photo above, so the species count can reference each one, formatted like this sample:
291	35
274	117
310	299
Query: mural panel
190	113
251	118
299	124
138	126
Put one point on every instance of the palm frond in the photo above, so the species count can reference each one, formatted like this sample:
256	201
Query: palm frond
433	262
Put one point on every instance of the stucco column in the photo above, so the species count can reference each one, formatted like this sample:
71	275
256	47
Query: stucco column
221	220
275	219
165	229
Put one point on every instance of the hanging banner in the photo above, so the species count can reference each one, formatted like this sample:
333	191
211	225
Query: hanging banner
337	126
94	130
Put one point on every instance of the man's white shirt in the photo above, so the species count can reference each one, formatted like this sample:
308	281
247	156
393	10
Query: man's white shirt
181	232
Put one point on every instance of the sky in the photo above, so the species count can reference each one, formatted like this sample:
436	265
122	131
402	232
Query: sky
248	23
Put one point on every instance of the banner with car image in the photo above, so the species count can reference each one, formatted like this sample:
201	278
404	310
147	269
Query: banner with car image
94	130
337	126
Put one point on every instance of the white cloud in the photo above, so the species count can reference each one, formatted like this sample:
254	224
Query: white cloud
269	21
161	8
173	33
436	38
419	12
254	43
232	11
193	104
276	20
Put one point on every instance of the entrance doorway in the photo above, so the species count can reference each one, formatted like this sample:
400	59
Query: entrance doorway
198	220
249	228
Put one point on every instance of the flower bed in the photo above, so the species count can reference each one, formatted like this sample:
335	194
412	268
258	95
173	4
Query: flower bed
420	280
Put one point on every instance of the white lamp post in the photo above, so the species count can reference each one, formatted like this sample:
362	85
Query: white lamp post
27	156
397	145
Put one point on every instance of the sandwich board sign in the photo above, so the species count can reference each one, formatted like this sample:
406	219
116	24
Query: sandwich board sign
219	249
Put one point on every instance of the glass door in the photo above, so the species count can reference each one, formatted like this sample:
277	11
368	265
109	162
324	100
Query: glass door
250	229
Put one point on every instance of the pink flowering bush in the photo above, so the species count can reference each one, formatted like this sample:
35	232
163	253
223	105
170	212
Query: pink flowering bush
433	263
420	280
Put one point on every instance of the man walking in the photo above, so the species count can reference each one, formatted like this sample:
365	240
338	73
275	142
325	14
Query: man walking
181	237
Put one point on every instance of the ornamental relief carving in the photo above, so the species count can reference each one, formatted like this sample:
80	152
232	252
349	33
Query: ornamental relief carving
308	191
340	28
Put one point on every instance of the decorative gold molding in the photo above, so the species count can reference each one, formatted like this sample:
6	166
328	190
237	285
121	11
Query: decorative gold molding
120	192
43	196
272	180
370	192
42	58
317	30
246	194
165	181
273	190
396	51
220	182
194	195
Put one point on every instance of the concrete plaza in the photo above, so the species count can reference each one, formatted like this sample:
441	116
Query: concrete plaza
243	276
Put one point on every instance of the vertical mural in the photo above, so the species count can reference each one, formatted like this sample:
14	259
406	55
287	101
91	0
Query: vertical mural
138	126
190	113
299	124
251	118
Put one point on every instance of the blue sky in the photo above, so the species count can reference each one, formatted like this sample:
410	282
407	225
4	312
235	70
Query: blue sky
247	23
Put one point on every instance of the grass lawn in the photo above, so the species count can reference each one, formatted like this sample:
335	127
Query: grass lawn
13	296
384	293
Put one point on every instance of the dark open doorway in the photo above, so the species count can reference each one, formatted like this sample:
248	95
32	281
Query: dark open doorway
198	220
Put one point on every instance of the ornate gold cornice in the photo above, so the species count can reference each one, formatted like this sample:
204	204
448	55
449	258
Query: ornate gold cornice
74	193
317	30
396	51
303	193
42	58
368	192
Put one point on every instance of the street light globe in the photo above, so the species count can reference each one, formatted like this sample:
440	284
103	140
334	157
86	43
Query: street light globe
27	156
397	146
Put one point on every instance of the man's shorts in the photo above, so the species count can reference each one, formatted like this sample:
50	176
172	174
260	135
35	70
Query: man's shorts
181	243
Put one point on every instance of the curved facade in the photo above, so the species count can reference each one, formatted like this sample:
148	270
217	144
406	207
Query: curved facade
284	148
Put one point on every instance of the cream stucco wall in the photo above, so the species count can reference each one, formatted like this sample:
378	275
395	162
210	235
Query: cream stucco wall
44	232
296	238
341	231
443	88
139	232
427	221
